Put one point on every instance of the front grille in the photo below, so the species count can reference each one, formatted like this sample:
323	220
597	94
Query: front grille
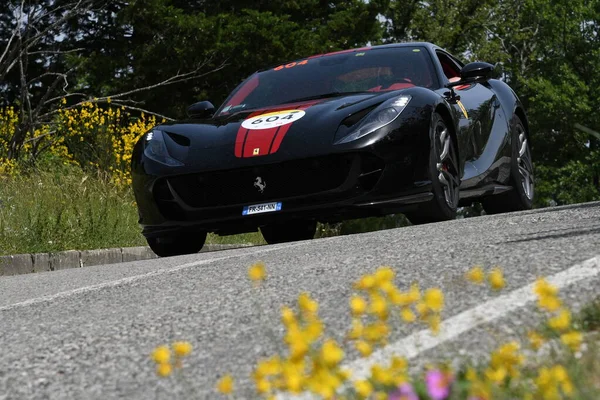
283	180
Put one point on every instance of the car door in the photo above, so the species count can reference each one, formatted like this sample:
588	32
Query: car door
475	105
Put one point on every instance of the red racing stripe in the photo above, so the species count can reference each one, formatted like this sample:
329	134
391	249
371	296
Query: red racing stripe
260	142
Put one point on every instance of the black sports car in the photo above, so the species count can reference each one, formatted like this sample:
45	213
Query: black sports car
401	128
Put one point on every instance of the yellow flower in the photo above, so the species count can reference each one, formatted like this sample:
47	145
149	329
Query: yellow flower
164	369
365	283
161	355
507	356
379	306
561	321
257	272
496	375
572	339
535	340
496	279
182	349
549	303
381	375
544	289
476	275
358	305
434	323
288	317
363	388
363	348
414	293
225	384
357	329
331	353
307	305
434	299
384	274
263	386
407	315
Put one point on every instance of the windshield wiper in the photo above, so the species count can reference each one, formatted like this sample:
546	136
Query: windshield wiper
322	96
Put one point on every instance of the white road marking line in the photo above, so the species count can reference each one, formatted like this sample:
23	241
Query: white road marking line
136	278
412	345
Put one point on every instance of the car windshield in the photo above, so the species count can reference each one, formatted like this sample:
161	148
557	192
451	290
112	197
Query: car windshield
362	70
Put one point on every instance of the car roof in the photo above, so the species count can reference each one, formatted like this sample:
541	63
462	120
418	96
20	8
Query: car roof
432	47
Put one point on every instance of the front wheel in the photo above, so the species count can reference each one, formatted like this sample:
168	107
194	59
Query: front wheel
444	174
521	177
177	244
290	231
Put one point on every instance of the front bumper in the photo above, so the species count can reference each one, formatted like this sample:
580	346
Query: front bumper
328	188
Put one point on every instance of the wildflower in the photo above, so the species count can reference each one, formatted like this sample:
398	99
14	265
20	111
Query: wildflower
331	353
572	339
307	305
358	305
363	348
434	323
381	375
561	321
288	317
476	275
438	384
434	299
357	330
257	272
535	340
407	315
366	282
225	384
544	289
164	370
161	355
414	293
182	349
496	279
363	388
508	357
404	392
496	375
379	306
384	274
549	303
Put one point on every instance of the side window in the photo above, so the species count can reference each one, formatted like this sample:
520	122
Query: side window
450	67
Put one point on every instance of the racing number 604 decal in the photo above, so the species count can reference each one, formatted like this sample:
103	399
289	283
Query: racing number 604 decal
262	134
273	119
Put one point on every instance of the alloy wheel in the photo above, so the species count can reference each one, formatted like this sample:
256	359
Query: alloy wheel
525	165
447	165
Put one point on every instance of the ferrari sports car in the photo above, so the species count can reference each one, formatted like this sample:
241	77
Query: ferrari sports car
400	128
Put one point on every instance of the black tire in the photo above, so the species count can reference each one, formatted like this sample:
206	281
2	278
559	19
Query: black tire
444	173
521	177
290	231
176	245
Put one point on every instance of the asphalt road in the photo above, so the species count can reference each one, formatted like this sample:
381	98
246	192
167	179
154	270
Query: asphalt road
87	333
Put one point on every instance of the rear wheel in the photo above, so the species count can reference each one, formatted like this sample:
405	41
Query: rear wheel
521	177
444	174
290	231
178	244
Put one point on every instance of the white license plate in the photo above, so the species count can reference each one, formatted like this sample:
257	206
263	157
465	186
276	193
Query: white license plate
261	208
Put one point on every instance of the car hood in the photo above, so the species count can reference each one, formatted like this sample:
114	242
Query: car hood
269	134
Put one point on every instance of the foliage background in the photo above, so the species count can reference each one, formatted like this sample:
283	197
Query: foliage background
80	81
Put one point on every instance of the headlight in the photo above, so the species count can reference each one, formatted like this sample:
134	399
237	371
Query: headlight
156	149
386	114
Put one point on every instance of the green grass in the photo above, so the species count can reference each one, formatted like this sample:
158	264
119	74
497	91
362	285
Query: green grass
69	209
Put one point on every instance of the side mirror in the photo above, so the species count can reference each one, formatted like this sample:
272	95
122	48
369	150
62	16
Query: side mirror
202	109
475	72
